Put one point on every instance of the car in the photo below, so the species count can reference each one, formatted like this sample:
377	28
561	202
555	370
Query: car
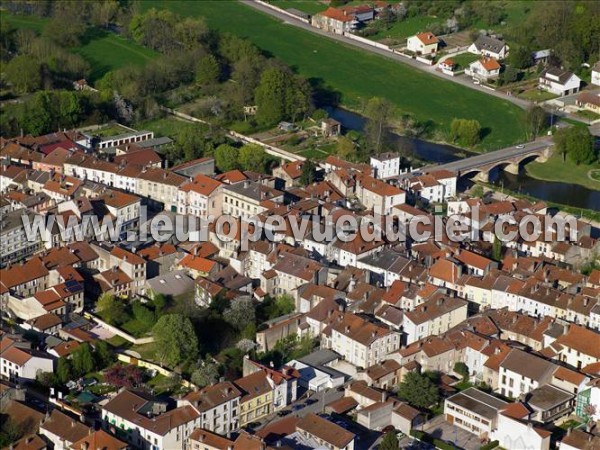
340	388
520	146
297	407
284	412
311	401
253	425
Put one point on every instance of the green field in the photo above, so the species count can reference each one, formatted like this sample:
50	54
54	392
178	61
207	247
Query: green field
359	75
406	28
555	169
104	51
107	51
308	6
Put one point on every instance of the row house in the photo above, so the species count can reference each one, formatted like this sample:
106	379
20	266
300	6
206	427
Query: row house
218	406
360	342
131	264
160	186
578	346
433	317
200	197
257	397
522	372
247	198
283	381
147	423
20	363
378	196
15	245
290	272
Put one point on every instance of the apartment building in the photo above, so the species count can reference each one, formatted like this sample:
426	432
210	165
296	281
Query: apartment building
474	411
200	197
325	433
218	406
522	372
377	195
14	243
433	317
245	199
146	423
385	165
19	363
257	397
360	342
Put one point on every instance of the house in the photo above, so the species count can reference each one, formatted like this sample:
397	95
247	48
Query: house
490	47
515	430
330	127
289	172
447	66
377	195
549	403
245	199
474	411
484	69
522	372
257	397
559	82
14	244
63	430
325	433
218	406
423	43
200	197
385	165
18	363
284	381
315	371
589	100
577	439
406	418
433	317
335	20
145	422
99	439
596	74
362	343
202	439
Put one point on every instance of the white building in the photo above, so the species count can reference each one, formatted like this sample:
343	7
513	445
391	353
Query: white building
22	364
474	410
145	422
559	82
490	47
423	43
522	372
596	74
385	165
362	343
435	316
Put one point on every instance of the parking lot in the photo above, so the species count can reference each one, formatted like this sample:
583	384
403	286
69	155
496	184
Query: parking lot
440	429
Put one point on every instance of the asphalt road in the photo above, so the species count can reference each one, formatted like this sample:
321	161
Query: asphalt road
492	157
464	80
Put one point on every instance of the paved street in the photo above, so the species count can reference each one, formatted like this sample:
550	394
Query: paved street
440	429
465	81
492	157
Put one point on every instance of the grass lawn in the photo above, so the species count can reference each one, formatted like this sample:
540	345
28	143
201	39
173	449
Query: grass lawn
406	28
146	351
557	170
105	51
167	126
308	6
595	174
464	59
591	115
135	328
359	75
537	95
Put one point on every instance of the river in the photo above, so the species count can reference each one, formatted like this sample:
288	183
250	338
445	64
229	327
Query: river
563	193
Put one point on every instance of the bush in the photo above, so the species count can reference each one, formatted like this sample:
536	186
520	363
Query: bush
443	445
489	445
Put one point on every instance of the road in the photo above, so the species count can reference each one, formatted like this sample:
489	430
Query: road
465	81
485	159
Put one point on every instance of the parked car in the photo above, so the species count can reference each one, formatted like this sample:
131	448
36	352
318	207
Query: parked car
311	401
283	412
297	407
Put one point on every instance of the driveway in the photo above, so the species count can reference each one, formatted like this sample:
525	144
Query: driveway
440	429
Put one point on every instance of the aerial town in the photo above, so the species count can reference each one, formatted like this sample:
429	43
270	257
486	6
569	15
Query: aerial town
299	224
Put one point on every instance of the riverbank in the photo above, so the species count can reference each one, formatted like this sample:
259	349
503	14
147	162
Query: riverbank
590	215
555	169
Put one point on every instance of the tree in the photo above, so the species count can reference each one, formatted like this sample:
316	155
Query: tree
252	157
128	376
418	390
226	157
112	309
465	132
64	370
174	339
462	369
345	148
536	119
206	374
208	70
389	442
24	73
281	95
520	58
143	314
377	133
497	249
241	313
307	176
83	359
103	354
580	145
560	142
509	75
159	301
